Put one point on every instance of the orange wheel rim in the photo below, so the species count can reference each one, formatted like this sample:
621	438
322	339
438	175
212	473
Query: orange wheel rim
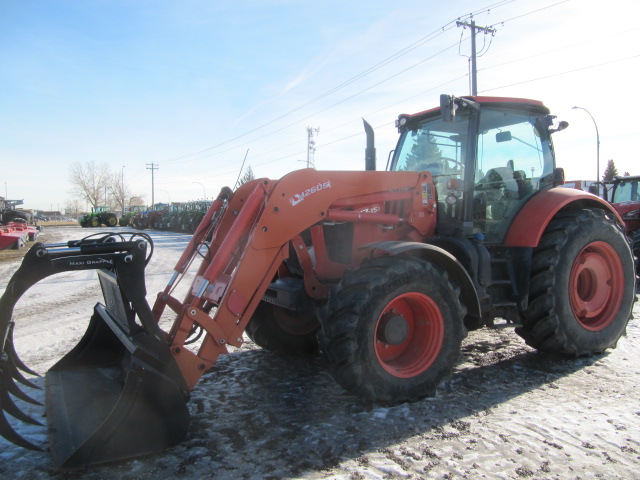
409	335
596	286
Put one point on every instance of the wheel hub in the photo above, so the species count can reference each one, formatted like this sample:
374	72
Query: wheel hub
394	330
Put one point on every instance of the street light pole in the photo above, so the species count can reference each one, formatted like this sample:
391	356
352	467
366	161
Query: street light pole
168	194
597	148
204	191
122	193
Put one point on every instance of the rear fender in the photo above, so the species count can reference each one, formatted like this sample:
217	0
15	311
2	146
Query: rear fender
531	222
443	259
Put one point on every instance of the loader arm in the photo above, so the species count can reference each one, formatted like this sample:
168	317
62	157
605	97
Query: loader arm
250	240
134	374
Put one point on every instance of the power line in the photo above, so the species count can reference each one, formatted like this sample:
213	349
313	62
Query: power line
562	73
557	49
377	66
423	40
531	12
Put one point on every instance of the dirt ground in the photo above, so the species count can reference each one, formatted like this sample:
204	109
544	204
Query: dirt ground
505	412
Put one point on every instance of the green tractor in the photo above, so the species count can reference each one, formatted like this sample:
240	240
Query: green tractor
99	216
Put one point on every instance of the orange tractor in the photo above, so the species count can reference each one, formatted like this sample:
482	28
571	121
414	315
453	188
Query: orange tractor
381	272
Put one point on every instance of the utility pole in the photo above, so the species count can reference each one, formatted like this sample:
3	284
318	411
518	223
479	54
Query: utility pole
152	166
122	189
311	145
474	72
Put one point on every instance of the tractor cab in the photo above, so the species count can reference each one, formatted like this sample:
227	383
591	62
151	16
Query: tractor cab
625	199
487	156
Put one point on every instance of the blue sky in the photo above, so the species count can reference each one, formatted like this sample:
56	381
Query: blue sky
193	85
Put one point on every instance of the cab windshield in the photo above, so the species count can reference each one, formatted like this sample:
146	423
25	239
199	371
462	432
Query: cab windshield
626	191
435	146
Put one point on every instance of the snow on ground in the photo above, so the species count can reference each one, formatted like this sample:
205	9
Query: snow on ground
506	412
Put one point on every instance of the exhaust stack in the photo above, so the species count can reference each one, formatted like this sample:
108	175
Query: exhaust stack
370	151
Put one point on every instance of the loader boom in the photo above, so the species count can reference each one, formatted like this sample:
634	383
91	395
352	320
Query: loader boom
250	240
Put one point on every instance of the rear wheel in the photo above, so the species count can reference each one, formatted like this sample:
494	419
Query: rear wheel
392	329
283	331
111	220
582	286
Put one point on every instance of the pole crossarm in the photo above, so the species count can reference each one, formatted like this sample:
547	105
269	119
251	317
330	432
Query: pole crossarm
473	26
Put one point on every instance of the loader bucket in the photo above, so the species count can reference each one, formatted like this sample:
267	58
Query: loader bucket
119	392
111	397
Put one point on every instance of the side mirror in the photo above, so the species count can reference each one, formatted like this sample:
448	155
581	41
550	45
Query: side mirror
447	108
558	176
561	126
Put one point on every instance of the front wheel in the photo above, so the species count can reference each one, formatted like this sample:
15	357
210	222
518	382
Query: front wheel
582	285
392	329
283	331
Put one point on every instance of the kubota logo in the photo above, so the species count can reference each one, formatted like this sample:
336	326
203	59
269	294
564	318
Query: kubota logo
298	197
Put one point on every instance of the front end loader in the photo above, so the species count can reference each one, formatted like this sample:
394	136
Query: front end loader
127	375
381	272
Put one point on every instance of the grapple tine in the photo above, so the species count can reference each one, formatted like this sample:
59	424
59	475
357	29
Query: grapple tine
16	375
9	385
9	370
11	351
7	431
12	409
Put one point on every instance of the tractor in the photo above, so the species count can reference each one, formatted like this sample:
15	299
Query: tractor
625	199
380	272
150	219
99	216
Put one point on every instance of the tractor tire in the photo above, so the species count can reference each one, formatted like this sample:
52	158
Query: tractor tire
283	332
582	285
94	222
392	329
111	220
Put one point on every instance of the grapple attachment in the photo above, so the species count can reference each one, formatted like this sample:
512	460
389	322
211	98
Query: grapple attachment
119	392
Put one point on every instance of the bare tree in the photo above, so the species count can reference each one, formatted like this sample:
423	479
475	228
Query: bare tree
73	207
91	181
136	201
120	192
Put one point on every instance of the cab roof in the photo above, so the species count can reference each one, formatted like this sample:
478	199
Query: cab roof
535	106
